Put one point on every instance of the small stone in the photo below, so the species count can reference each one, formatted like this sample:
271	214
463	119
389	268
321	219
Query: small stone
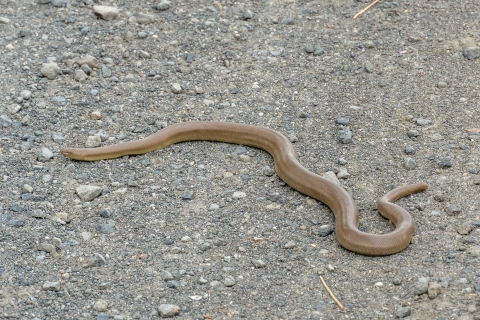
471	53
145	55
397	281
289	245
51	286
47	247
247	14
268	171
403	311
382	83
208	102
93	142
318	50
163	5
4	20
423	122
413	133
441	84
464	228
106	12
26	188
343	120
166	276
421	286
80	76
198	90
90	61
205	246
343	173
410	164
369	67
434	289
45	154
409	150
168	310
258	264
345	136
105	228
188	195
176	88
238	195
100	306
106	72
229	281
58	137
50	70
88	193
96	115
5	120
323	230
309	48
445	163
144	18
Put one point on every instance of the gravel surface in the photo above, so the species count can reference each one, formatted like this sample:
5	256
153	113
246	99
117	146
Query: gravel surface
204	230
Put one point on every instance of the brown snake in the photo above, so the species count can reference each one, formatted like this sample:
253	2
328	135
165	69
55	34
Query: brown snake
289	170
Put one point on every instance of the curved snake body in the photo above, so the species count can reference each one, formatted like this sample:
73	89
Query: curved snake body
289	170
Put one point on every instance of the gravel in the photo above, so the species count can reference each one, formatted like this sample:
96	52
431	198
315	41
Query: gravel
204	230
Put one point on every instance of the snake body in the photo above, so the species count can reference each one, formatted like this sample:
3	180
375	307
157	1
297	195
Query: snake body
289	170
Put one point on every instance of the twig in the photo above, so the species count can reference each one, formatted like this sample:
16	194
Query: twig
331	294
368	7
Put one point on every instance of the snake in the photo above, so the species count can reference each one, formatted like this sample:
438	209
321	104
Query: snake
290	170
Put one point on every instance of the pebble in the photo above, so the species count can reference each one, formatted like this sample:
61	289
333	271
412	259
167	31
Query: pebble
410	164
188	195
445	163
51	286
268	171
413	133
93	142
421	286
343	173
434	289
343	120
5	120
176	88
238	195
441	84
289	245
4	20
464	228
90	61
96	115
45	154
58	137
258	264
144	18
345	136
409	150
229	281
88	193
105	228
168	310
423	122
471	53
106	12
166	276
100	305
50	70
163	5
323	230
80	76
369	67
382	83
403	311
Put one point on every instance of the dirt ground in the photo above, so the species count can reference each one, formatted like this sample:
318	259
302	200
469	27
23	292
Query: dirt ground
204	230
